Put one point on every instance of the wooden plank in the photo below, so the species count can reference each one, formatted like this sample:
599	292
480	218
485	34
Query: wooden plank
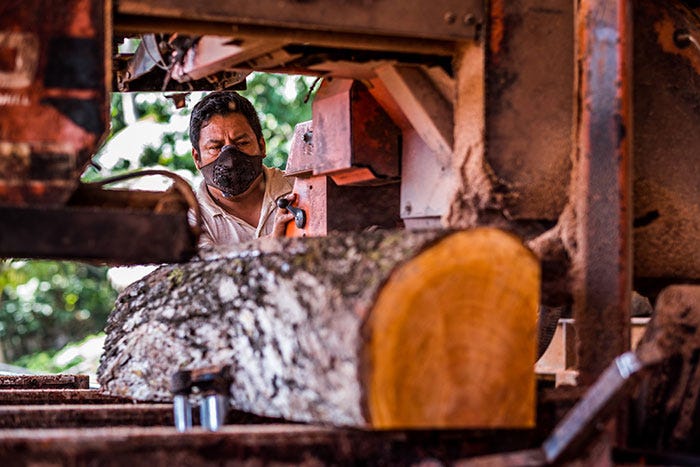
44	382
68	416
57	396
287	444
422	103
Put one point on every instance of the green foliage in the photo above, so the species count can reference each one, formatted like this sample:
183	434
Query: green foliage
279	100
167	155
79	356
116	114
46	304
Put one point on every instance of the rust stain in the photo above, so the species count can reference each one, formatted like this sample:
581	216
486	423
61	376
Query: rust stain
37	188
665	29
497	25
82	24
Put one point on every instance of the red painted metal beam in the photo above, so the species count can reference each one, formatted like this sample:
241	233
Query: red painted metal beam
603	183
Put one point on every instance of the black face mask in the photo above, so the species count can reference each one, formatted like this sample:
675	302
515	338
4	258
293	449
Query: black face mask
233	172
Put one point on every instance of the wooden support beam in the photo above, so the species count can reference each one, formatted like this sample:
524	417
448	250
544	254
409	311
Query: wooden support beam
422	103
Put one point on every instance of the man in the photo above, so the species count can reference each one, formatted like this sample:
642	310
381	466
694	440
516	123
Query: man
238	194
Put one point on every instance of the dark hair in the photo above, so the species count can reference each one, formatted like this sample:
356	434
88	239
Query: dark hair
222	103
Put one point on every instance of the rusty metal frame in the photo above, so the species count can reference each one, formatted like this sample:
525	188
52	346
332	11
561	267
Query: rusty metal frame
124	236
54	102
529	103
441	19
603	175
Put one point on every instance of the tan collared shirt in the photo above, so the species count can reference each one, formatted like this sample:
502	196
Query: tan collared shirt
221	228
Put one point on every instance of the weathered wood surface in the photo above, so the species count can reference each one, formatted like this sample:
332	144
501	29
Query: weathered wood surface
56	396
44	382
667	404
83	416
279	445
385	329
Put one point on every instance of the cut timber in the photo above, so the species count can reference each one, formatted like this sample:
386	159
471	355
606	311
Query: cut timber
387	329
445	332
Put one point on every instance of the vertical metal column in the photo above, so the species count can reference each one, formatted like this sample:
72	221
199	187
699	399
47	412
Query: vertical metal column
603	266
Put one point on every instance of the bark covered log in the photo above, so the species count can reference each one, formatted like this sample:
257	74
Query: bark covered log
383	329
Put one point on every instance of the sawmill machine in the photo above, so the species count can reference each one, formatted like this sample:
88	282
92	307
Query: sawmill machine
572	124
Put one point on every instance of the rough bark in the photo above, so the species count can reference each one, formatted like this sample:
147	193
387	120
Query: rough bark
297	321
666	408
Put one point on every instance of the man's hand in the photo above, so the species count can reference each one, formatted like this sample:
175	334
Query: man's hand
282	217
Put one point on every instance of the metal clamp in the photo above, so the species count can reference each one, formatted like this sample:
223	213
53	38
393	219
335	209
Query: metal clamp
207	388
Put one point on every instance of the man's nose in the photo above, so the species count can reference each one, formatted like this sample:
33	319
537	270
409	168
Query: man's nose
226	162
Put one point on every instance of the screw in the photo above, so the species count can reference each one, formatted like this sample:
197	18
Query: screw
308	137
469	19
449	17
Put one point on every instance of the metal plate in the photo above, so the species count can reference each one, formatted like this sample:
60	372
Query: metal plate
436	19
666	142
95	234
330	207
352	131
530	103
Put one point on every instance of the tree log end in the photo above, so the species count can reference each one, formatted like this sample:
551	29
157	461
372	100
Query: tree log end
452	337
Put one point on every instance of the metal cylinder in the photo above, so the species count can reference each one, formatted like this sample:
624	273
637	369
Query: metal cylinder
212	412
182	413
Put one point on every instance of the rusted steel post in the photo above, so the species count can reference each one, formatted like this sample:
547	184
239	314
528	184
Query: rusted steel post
603	183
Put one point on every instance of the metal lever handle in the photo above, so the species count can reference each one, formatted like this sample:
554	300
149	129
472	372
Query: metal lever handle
299	214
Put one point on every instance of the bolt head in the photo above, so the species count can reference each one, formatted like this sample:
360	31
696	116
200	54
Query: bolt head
449	17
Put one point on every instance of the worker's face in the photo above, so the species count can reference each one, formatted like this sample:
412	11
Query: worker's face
221	130
237	170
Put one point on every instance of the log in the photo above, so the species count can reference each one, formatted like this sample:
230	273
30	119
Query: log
387	329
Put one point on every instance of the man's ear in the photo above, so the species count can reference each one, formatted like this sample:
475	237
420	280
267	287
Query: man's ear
261	143
197	158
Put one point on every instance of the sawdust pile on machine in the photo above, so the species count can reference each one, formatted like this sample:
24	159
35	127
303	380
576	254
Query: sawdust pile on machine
472	171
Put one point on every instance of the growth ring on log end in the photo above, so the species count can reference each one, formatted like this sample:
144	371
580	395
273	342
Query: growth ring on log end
451	339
